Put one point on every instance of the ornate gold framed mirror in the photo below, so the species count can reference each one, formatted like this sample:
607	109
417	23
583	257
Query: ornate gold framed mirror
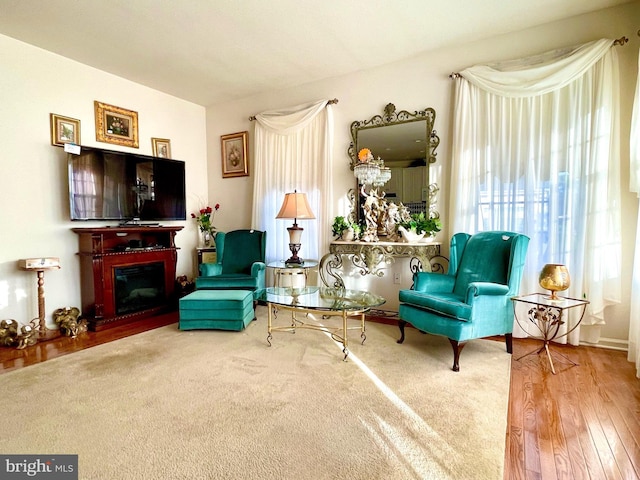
406	142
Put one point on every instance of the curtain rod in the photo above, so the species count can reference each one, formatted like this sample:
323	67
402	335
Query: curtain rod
618	41
330	102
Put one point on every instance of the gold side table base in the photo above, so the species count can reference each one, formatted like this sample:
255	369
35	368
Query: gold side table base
546	349
546	315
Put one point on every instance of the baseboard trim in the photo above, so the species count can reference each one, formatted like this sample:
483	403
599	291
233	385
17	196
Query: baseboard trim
610	344
390	317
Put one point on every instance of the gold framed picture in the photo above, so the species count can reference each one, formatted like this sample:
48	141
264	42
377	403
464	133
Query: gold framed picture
64	130
161	147
234	155
116	125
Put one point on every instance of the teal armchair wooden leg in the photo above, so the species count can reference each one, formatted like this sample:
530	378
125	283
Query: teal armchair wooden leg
401	325
457	348
508	338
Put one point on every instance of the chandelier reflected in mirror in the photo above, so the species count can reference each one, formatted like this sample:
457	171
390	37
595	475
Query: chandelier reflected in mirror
371	171
383	177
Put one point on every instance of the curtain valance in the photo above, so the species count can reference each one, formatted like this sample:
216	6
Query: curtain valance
290	120
538	74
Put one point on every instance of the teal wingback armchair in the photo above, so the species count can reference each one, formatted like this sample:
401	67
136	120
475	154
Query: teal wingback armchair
473	300
239	264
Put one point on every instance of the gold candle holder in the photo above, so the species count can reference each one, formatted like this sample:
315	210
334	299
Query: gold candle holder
555	278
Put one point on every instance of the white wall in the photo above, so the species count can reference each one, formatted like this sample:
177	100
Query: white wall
34	211
418	83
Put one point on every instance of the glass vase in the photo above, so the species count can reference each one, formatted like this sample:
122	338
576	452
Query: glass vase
207	239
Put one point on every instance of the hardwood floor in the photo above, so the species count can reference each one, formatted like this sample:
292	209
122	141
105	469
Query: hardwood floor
582	423
11	359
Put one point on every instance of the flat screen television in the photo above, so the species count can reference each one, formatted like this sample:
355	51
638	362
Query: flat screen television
109	185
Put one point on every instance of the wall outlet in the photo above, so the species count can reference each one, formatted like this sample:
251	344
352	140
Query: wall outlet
397	278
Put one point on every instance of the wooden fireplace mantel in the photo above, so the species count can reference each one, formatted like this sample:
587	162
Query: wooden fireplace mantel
104	249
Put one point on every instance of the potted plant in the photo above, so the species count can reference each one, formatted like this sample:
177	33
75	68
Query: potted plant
420	225
340	224
345	230
357	230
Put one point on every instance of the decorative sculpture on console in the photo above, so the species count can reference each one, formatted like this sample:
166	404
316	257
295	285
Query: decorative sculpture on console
404	213
391	219
373	208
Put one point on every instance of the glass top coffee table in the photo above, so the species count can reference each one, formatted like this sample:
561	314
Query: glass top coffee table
325	301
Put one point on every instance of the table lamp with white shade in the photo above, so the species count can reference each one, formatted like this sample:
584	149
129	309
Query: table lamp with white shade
296	206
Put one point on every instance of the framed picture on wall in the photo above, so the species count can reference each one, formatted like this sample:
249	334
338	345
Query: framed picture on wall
116	125
64	130
161	147
234	155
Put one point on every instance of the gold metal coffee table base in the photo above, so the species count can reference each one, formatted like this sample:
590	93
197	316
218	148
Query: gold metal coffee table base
339	334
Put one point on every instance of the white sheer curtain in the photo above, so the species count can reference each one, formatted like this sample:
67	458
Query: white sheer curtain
536	151
634	186
292	149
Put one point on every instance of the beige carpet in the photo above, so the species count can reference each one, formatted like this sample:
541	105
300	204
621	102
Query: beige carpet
167	404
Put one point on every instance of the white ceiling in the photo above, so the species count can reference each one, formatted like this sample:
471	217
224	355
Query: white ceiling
208	51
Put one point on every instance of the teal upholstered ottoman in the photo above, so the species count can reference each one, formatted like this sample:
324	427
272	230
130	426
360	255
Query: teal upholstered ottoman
216	309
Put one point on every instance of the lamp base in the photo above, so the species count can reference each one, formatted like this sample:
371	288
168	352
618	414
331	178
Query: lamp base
294	259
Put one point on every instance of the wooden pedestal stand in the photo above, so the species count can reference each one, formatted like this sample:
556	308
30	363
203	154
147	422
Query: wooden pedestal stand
39	265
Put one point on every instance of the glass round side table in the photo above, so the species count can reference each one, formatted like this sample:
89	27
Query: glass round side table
292	274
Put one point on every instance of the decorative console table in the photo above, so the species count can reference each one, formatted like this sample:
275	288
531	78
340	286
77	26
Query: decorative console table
127	273
370	257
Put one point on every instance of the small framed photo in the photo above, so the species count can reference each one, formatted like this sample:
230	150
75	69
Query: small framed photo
234	155
116	125
161	147
64	130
